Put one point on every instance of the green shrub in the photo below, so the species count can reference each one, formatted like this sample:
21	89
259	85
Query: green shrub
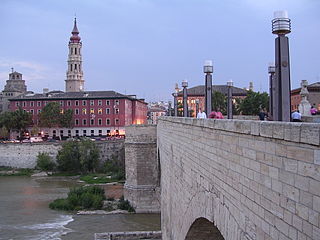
125	205
81	198
44	162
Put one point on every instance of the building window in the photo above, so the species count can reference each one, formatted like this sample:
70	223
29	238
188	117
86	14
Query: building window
77	103
31	104
100	133
116	121
45	103
107	110
99	110
84	132
84	121
39	104
108	132
24	104
17	104
91	111
92	133
77	133
77	122
91	121
116	110
108	121
61	111
69	133
84	102
75	52
39	111
76	111
99	121
99	102
32	111
61	103
54	133
61	133
84	111
91	102
69	103
117	102
108	102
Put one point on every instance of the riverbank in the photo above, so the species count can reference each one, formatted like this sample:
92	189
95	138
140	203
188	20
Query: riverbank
25	213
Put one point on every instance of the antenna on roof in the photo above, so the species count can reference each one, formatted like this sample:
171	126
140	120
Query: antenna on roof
12	69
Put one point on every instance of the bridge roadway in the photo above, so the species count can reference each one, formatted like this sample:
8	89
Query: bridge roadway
237	179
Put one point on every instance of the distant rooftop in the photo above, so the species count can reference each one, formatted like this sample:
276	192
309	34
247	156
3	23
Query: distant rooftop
200	90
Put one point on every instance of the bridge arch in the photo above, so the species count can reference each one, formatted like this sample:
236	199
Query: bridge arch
203	229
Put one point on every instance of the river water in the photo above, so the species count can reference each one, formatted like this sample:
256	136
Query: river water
24	213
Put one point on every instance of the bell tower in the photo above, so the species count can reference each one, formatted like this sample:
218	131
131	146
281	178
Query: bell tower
75	81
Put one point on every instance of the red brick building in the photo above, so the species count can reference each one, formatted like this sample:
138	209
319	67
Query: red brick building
95	113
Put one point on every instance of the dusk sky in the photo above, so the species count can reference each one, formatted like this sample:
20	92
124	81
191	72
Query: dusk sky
144	47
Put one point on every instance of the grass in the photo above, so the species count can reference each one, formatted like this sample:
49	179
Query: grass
9	171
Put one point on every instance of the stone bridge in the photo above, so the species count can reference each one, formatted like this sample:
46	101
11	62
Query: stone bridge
237	179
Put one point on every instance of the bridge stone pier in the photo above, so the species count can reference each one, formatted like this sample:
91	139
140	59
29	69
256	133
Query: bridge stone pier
237	179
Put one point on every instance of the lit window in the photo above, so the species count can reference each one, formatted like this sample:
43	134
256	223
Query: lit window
107	110
91	102
61	111
99	110
91	111
84	111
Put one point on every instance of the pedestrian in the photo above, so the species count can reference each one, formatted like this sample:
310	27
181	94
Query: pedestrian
201	114
262	115
313	110
296	116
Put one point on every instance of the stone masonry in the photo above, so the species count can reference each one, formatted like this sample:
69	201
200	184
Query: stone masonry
250	179
142	168
24	155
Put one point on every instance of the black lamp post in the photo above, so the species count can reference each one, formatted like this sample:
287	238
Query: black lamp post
281	26
185	98
208	70
229	102
271	71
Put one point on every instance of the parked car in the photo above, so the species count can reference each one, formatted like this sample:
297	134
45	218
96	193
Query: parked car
36	139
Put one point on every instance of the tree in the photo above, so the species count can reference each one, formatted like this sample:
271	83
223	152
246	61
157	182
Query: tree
18	120
78	157
45	162
254	101
52	116
219	102
4	133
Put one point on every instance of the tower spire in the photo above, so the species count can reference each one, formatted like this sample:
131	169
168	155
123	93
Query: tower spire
75	81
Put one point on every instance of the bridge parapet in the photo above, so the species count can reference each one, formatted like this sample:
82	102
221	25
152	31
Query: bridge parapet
251	179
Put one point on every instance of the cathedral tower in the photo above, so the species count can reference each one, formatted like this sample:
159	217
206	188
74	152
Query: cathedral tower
75	81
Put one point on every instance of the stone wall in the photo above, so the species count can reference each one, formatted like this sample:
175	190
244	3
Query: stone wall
156	235
142	168
24	155
251	179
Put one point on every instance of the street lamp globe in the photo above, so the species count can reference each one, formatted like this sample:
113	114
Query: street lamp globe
281	24
184	83
230	83
208	67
